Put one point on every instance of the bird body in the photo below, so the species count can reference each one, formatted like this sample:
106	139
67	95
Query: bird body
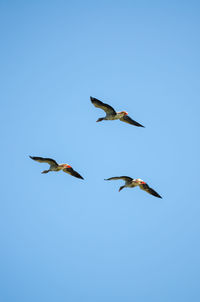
134	182
117	116
55	167
111	114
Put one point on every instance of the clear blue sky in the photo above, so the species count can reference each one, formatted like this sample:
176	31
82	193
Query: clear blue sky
63	239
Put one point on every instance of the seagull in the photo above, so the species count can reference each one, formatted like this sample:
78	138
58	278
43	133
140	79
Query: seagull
111	114
131	183
54	166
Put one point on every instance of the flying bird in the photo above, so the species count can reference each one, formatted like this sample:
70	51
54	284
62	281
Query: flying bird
54	166
111	114
131	183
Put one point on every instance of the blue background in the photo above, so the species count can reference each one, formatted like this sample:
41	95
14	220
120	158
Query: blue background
64	239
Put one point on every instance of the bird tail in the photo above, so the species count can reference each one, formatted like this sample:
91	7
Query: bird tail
45	171
121	188
100	119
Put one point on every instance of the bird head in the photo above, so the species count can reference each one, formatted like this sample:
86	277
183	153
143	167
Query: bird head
140	181
65	166
124	112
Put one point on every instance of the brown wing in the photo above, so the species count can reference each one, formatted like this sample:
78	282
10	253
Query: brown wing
128	119
149	190
49	161
125	178
72	172
107	108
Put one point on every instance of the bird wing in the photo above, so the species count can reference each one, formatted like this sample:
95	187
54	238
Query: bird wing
72	172
128	119
107	108
49	161
125	178
149	190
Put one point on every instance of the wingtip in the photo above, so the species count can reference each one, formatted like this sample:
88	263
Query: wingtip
78	176
140	125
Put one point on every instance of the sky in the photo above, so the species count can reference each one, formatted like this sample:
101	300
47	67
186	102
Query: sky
66	239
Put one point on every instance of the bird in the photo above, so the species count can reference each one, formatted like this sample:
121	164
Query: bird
111	114
133	182
54	166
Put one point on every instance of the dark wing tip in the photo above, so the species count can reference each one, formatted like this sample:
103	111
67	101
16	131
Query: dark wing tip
92	99
32	157
149	190
127	119
138	125
154	193
76	174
